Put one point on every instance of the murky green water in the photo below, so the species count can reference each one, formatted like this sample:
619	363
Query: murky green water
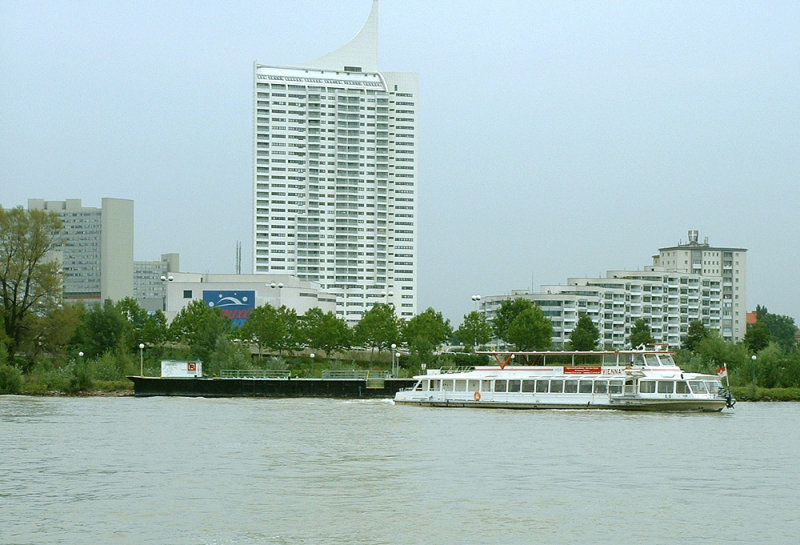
275	471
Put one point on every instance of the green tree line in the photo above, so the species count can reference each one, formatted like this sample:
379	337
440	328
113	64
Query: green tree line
74	346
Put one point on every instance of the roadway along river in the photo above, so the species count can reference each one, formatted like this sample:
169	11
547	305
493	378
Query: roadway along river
324	471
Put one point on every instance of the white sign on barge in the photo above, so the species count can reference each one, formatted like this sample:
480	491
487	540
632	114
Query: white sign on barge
181	368
626	379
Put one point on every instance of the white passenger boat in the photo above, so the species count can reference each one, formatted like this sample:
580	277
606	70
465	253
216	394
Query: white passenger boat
626	379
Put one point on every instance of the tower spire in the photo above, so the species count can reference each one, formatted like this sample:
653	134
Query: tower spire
361	51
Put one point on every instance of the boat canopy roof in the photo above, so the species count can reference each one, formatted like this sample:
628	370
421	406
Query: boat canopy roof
649	358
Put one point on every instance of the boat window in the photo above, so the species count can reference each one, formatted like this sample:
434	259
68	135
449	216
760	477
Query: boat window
666	386
647	387
666	359
418	386
473	385
698	386
542	386
713	386
513	385
435	385
500	385
556	386
486	386
615	387
681	387
461	385
447	385
585	387
651	360
601	387
527	385
571	386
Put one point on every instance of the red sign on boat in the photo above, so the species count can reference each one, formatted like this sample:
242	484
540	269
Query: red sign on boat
583	370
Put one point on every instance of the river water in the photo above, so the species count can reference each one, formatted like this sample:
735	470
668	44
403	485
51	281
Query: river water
326	471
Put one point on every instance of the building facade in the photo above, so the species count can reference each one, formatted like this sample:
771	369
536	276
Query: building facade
668	295
335	176
149	286
729	265
96	248
237	294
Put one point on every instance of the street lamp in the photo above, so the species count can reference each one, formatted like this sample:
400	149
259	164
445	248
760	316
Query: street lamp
312	365
394	346
273	285
754	369
476	299
141	359
169	278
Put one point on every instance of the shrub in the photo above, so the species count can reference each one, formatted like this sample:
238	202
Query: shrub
10	380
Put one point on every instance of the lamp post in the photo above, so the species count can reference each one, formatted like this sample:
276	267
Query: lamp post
141	359
476	299
312	365
165	279
274	285
754	370
394	346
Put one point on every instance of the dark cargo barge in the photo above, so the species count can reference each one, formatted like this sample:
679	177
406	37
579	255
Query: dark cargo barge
269	387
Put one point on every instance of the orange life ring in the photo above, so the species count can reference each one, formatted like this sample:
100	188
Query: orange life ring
477	396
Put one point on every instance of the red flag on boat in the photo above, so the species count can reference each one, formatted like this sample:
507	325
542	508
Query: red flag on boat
723	371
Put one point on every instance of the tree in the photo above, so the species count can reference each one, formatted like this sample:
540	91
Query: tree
474	331
200	326
378	327
506	314
530	330
325	331
585	335
782	329
103	328
263	327
275	328
30	282
425	331
640	334
696	333
757	337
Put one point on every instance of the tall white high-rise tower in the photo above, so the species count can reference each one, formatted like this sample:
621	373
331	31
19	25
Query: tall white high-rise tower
335	176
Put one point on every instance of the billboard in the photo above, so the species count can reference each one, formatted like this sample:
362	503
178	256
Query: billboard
235	304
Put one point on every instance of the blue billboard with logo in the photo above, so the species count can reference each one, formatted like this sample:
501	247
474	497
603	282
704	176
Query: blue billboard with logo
235	304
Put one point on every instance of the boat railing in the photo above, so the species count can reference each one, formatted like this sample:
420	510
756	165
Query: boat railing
349	374
451	370
254	373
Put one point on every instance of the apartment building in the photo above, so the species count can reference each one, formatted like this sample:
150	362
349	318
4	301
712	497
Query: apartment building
335	176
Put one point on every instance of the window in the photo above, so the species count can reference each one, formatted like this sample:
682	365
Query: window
486	386
461	385
187	294
500	385
513	385
585	387
527	386
681	387
647	387
601	387
615	387
556	386
666	386
542	386
473	385
571	386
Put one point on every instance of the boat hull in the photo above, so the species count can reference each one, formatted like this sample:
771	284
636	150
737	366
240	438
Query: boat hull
666	405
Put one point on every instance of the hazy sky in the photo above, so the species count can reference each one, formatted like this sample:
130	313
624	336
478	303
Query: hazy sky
556	139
